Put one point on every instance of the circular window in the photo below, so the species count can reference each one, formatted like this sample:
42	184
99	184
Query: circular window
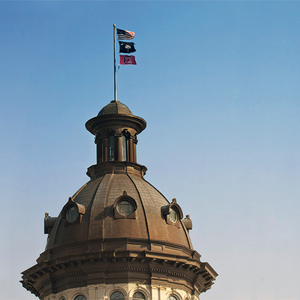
80	297
72	215
174	218
138	295
125	208
172	298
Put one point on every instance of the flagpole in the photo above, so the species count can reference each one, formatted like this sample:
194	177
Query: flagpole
115	65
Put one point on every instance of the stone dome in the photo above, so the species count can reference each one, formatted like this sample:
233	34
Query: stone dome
115	107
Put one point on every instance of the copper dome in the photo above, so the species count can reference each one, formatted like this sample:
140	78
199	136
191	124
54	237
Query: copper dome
99	222
118	228
110	181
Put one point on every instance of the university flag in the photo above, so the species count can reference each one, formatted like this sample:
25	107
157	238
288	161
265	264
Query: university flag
125	34
126	47
127	60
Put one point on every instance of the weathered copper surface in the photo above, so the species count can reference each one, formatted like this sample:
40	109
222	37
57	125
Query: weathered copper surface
115	107
102	245
98	197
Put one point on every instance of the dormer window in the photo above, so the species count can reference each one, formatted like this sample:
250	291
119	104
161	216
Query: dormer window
125	207
172	213
72	212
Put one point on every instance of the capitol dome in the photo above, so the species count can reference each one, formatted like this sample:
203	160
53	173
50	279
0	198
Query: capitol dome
122	206
118	236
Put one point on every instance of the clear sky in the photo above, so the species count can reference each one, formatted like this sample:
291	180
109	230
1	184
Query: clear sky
217	83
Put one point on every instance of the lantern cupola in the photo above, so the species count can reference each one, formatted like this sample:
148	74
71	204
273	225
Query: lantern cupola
116	129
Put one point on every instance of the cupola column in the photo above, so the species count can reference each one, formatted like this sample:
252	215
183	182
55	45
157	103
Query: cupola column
119	147
131	157
134	150
127	147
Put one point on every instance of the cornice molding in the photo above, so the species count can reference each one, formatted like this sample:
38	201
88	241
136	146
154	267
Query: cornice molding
94	124
76	270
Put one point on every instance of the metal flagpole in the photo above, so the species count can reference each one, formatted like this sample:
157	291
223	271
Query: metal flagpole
115	65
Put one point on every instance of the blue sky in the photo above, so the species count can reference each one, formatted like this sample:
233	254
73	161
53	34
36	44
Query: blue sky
217	83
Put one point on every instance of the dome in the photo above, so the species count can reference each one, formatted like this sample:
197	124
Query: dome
117	230
115	107
102	222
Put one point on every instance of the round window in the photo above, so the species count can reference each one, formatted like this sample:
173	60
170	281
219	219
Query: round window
72	214
172	297
80	297
174	218
125	208
138	296
116	296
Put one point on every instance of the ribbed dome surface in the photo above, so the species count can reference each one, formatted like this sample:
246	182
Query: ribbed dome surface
115	107
118	230
98	223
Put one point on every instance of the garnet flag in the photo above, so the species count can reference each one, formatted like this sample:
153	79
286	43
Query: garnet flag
125	34
127	60
126	47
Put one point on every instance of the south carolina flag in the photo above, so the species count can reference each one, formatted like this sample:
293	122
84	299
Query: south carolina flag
127	60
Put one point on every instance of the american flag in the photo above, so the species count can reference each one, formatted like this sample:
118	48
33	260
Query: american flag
125	34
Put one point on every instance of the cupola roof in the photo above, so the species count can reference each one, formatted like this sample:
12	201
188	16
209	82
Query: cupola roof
115	107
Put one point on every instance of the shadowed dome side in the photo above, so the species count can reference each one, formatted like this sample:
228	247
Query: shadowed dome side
115	107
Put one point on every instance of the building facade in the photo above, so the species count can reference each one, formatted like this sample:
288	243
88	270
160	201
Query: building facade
118	237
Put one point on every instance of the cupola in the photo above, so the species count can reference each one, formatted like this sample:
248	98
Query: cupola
116	129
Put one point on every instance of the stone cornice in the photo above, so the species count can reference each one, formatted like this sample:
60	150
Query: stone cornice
100	267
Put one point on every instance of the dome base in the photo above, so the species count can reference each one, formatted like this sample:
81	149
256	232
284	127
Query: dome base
116	167
115	262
